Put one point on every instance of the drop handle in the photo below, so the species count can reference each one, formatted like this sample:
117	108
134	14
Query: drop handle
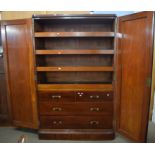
108	94
95	97
57	122
95	109
80	94
56	96
94	122
56	109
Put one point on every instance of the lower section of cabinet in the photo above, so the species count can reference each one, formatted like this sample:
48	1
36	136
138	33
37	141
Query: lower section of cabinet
69	115
76	134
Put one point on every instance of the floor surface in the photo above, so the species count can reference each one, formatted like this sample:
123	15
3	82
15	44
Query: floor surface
11	135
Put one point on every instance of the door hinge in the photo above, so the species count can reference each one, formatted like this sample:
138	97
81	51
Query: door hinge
148	82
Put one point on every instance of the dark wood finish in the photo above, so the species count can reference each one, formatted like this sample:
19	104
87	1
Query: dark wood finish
18	53
73	16
74	43
70	69
75	60
44	52
53	97
94	96
134	61
80	87
76	122
75	77
74	65
76	25
77	134
81	96
66	108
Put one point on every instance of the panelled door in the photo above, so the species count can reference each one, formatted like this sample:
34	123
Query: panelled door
18	54
134	66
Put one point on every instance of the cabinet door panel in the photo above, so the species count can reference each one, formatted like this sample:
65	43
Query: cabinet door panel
134	68
18	52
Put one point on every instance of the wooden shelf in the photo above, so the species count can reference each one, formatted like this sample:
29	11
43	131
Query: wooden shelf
70	69
74	34
74	87
45	52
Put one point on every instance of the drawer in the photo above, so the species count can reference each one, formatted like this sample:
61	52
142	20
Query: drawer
46	108
56	96
76	122
94	96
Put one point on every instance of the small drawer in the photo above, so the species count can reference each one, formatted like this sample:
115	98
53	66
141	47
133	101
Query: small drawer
76	122
56	96
94	96
46	108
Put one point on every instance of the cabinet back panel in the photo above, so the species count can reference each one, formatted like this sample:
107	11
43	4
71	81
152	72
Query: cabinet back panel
75	60
75	43
75	77
82	25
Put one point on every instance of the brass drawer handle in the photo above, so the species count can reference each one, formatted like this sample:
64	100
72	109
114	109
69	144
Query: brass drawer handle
56	96
57	122
108	94
56	109
80	94
94	122
94	97
95	109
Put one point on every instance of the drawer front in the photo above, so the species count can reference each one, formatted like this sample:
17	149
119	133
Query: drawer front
94	96
46	108
53	97
76	122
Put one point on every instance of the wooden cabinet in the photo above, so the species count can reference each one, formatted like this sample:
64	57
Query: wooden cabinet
92	75
75	67
18	54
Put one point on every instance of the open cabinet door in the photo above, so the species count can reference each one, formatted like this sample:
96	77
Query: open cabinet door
134	68
19	63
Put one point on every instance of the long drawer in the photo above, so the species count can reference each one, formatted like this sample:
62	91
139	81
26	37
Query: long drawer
53	97
71	96
76	122
46	108
94	96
